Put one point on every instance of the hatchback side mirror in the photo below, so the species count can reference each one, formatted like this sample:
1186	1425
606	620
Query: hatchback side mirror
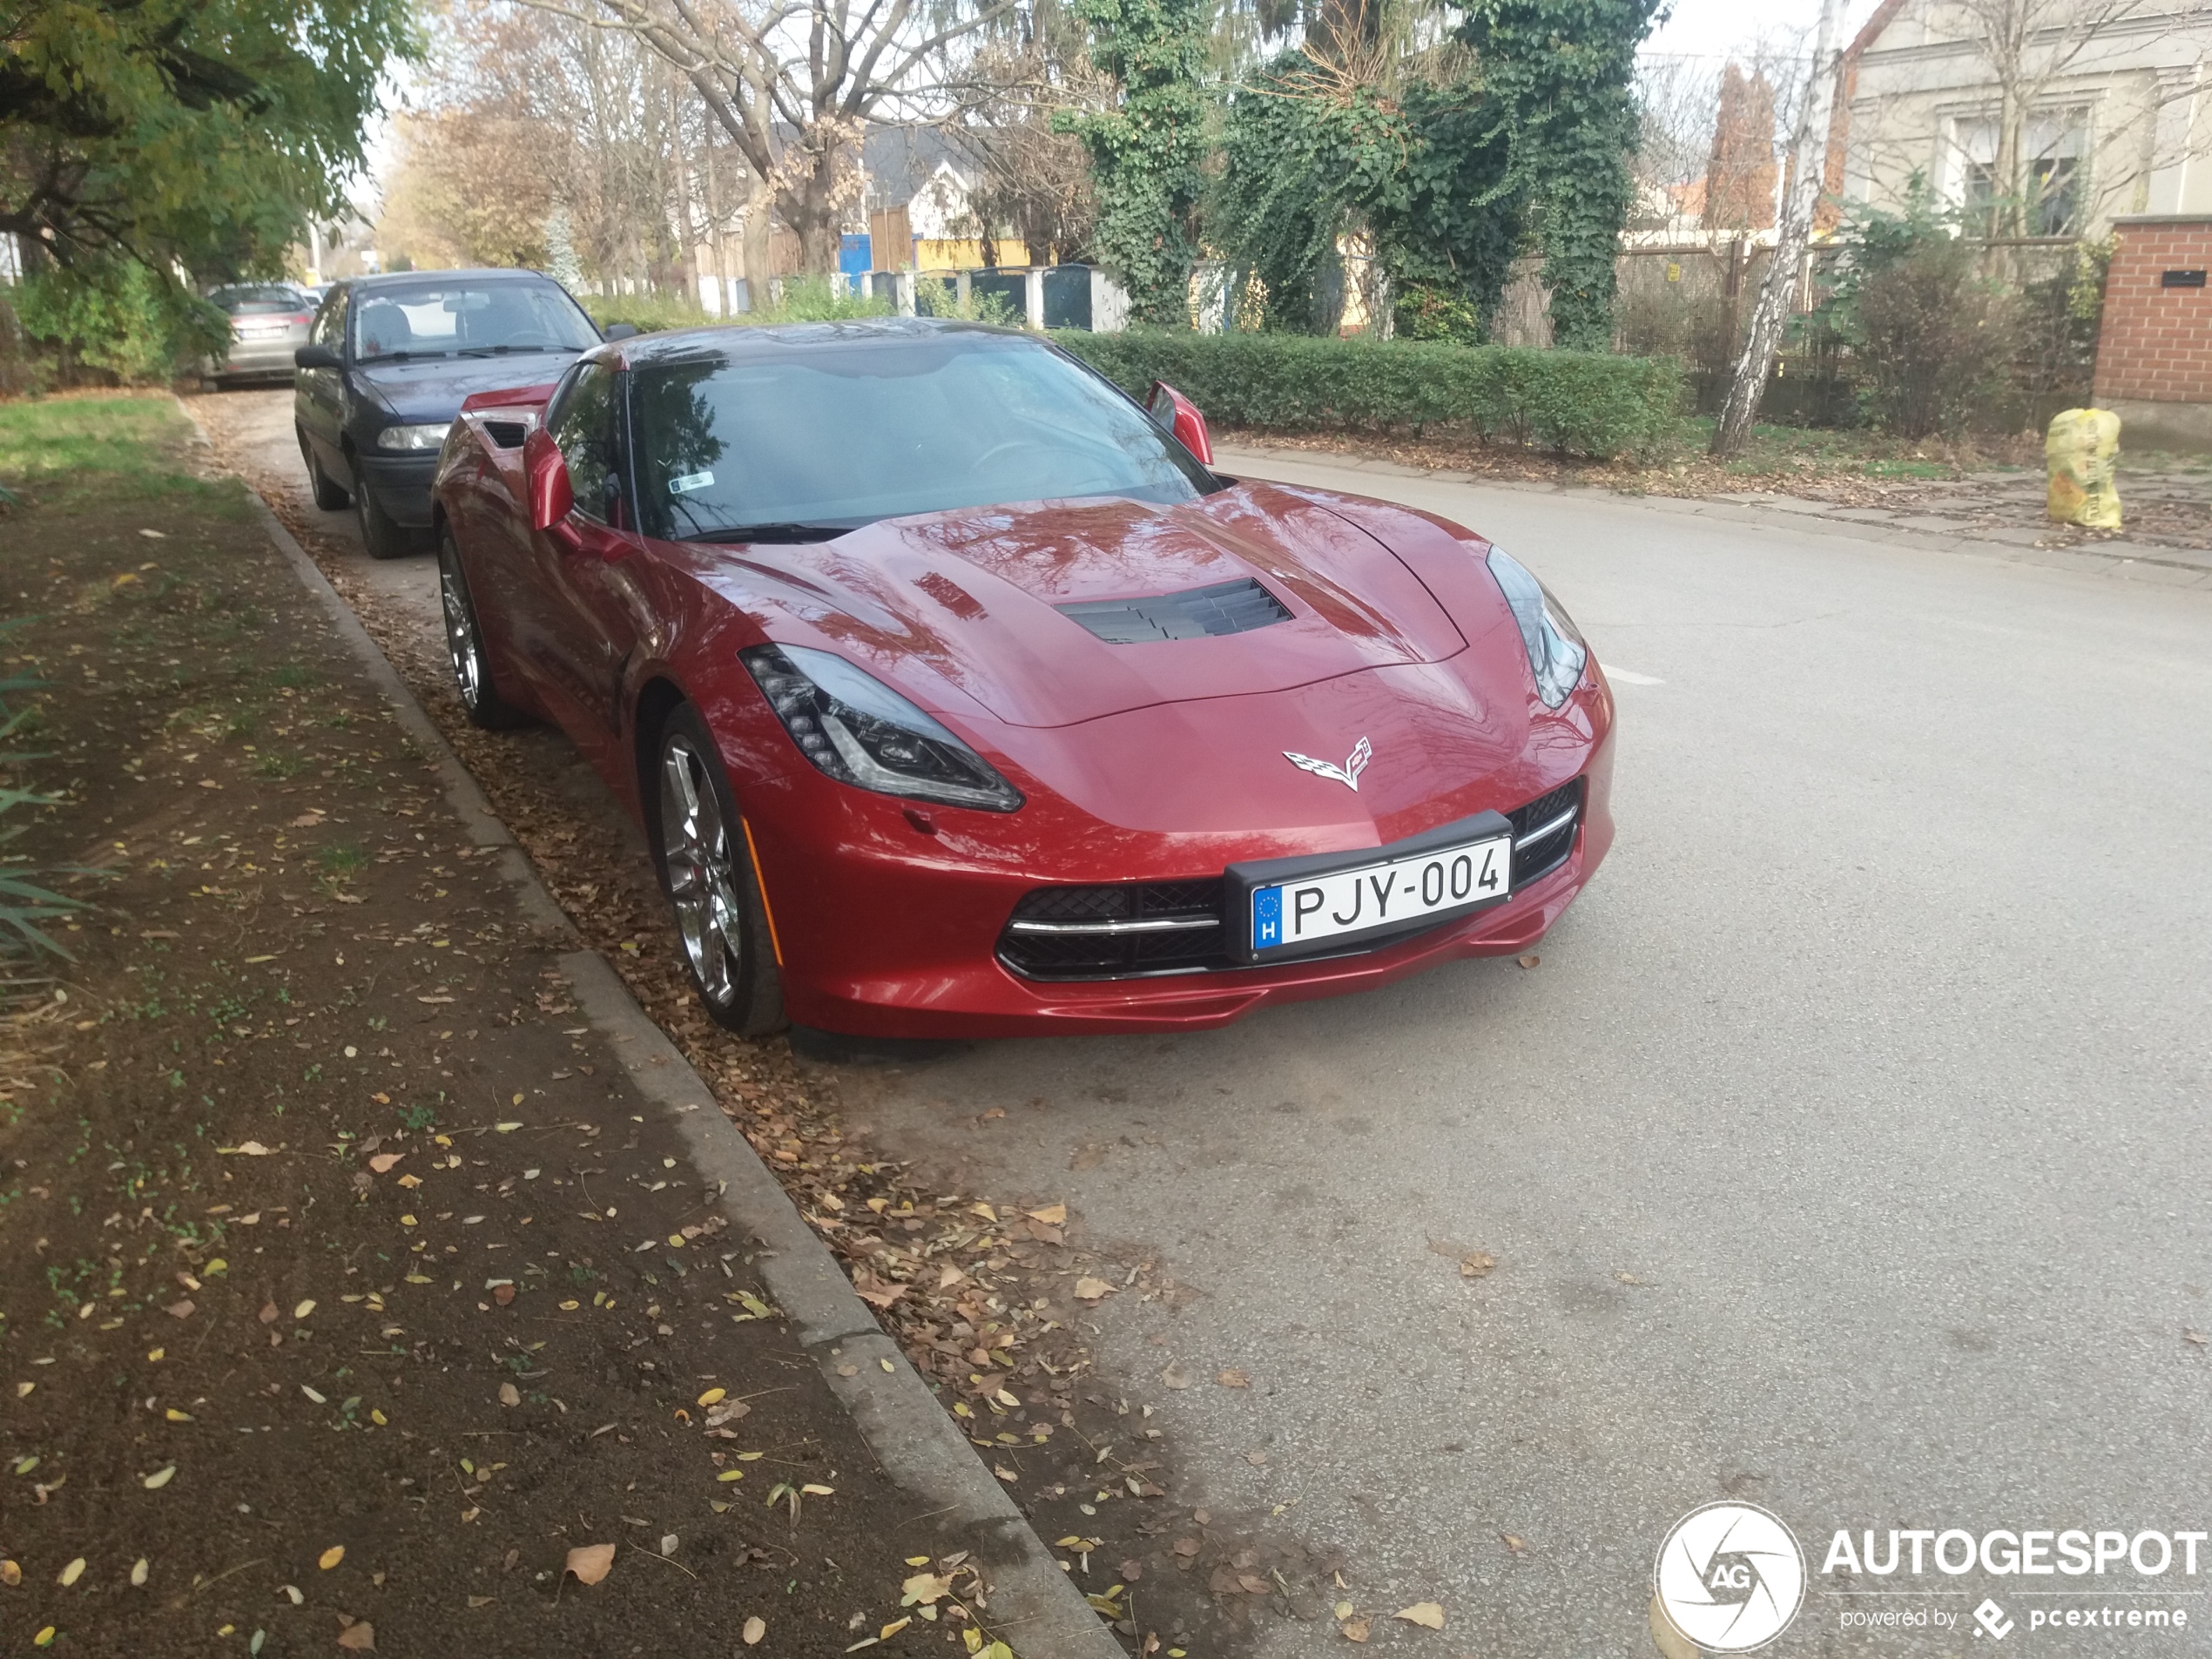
620	331
545	480
316	357
1180	415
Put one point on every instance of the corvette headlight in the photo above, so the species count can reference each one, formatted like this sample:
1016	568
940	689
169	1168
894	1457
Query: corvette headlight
430	436
861	732
1556	652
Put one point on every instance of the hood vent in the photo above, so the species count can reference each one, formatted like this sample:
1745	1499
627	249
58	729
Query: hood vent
1196	613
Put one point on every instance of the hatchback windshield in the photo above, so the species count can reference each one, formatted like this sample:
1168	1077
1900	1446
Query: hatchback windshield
778	442
468	320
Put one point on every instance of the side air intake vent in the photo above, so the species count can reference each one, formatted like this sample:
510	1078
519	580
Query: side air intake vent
1225	608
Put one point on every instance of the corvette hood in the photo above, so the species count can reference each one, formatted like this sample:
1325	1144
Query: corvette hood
433	389
970	602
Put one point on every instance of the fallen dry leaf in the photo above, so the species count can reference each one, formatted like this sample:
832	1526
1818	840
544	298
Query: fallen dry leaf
331	1557
1233	1379
1477	1264
359	1636
755	1627
11	1574
1354	1629
1090	1290
1514	1544
1176	1376
590	1562
1671	1644
382	1161
270	1313
1052	1214
925	1589
1427	1615
246	1149
1529	961
510	1395
180	1310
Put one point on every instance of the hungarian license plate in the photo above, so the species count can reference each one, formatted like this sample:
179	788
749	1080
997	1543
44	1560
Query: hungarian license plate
1368	898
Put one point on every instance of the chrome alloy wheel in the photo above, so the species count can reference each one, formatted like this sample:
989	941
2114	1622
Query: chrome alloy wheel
703	882
460	636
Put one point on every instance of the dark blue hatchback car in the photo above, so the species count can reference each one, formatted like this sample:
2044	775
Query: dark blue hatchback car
385	367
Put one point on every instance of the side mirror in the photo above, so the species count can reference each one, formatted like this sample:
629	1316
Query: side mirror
620	331
317	357
545	480
1180	415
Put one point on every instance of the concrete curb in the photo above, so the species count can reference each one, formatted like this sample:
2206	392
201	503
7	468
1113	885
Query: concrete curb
958	1504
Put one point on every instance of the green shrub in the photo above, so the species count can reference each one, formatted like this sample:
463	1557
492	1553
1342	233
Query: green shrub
1587	404
119	319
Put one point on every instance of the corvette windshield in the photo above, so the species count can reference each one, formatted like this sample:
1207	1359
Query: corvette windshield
467	320
791	439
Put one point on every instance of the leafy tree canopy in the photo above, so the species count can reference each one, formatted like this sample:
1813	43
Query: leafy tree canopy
199	132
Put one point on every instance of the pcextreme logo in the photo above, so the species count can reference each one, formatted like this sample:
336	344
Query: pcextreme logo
1730	1577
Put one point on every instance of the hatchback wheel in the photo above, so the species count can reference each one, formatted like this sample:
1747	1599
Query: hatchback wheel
706	870
383	535
330	496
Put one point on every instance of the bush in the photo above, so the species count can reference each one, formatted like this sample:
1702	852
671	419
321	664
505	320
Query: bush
1587	404
120	321
1933	340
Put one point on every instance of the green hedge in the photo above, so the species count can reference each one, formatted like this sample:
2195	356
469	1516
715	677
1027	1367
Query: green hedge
1587	404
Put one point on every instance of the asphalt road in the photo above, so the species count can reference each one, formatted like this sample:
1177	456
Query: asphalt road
1845	1153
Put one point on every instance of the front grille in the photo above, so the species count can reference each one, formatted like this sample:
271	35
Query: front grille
1116	932
1543	831
1132	929
1196	613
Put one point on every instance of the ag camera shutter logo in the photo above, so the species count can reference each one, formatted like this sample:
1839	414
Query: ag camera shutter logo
1730	1577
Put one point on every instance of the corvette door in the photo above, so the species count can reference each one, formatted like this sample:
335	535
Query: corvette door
586	609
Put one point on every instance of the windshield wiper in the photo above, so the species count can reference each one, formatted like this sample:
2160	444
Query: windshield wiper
402	357
775	532
501	350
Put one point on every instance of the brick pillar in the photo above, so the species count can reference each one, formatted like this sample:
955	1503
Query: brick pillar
2155	348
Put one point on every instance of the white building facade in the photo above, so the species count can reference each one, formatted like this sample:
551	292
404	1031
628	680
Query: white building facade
2112	101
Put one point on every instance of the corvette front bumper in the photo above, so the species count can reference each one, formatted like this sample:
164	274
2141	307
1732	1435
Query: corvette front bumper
887	930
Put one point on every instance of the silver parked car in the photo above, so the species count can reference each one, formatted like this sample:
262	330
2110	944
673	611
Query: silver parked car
269	322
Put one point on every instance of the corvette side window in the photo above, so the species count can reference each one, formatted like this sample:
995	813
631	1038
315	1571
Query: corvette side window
584	427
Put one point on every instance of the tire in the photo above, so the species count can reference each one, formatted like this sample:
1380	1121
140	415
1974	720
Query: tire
328	496
705	869
465	650
382	535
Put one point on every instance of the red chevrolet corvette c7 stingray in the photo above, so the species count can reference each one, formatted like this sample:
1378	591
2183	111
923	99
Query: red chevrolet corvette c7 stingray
959	696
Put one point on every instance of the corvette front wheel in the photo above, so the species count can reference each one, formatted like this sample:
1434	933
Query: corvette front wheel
706	870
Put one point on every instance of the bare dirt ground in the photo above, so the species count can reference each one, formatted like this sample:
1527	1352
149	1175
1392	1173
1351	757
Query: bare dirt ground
1996	489
325	1318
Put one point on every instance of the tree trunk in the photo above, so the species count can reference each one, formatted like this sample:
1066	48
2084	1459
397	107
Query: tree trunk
809	205
760	239
1771	317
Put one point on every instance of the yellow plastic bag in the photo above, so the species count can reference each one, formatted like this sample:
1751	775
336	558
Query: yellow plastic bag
2082	448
